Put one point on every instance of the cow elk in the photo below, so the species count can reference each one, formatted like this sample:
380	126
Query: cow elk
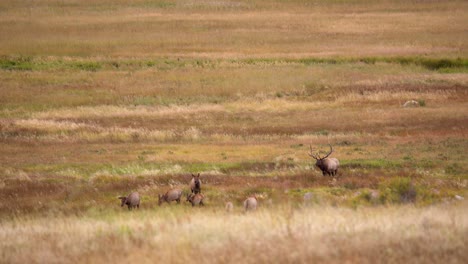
132	200
195	184
195	199
250	204
229	207
169	196
325	164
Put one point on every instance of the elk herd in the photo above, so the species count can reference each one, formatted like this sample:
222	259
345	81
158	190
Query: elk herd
328	166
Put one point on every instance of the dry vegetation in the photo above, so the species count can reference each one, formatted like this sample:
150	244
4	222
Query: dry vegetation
100	98
278	234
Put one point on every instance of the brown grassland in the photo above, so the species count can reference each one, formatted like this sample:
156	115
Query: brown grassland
101	98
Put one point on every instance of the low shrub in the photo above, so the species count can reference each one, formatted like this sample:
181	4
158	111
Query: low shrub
398	190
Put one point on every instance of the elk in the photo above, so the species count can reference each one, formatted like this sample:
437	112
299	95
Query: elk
195	184
132	200
169	196
250	204
195	199
229	207
325	164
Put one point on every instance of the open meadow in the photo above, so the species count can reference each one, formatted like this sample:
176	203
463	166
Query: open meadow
102	98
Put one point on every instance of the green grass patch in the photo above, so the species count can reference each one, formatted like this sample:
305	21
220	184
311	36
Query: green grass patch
365	197
22	63
86	66
151	4
29	63
454	169
398	190
16	63
430	63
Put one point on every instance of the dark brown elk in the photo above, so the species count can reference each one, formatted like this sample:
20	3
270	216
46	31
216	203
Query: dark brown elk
132	200
195	184
325	164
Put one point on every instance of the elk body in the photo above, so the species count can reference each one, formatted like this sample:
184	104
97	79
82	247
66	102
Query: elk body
195	199
325	164
169	196
250	204
132	200
195	184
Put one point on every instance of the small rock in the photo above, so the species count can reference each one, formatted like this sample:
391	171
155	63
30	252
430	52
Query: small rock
411	103
459	198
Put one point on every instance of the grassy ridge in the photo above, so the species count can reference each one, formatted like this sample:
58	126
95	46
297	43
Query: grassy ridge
20	63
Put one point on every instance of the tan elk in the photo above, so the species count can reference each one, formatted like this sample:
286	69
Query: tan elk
169	196
195	199
229	207
325	164
250	204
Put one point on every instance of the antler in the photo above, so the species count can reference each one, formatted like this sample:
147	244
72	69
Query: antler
312	155
331	151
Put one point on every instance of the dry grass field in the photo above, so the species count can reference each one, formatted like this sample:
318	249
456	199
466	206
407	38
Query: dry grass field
278	234
101	98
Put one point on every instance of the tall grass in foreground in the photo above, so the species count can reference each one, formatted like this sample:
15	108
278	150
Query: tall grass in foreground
181	234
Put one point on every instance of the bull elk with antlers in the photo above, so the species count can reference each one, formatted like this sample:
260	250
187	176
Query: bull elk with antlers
326	165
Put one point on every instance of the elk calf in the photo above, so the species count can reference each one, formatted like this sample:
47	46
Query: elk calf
169	196
195	199
132	200
250	204
229	206
326	165
195	184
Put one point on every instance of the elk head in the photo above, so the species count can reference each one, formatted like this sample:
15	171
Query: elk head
124	200
196	183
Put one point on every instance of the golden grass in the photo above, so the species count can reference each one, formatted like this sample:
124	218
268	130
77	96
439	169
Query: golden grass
384	115
109	111
179	234
231	29
219	82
